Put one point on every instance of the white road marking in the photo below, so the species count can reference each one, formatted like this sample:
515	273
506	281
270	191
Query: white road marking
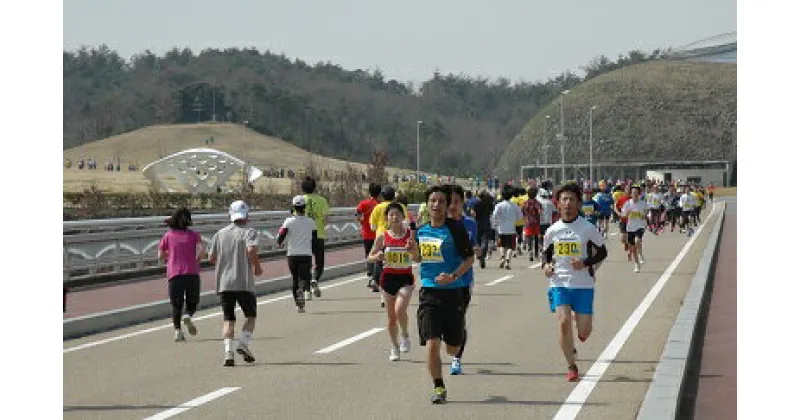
193	403
574	402
351	340
535	265
199	318
501	279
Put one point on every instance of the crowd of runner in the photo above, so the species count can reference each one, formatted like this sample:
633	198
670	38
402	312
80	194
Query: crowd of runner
454	232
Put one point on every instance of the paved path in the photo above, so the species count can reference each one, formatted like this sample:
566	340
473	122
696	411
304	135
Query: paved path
714	386
94	300
512	366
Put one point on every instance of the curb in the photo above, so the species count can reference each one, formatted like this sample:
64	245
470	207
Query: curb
132	315
663	397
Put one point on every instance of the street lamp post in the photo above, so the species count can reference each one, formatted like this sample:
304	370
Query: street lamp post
591	146
563	139
418	174
545	126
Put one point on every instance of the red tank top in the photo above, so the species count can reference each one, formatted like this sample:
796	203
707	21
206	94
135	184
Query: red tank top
397	259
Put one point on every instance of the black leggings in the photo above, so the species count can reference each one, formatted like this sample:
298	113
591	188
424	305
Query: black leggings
187	285
300	267
318	248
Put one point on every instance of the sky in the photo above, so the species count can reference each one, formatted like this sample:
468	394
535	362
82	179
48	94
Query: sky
531	40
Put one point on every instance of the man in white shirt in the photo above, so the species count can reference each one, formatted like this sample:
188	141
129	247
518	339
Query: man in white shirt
298	232
687	203
504	217
635	210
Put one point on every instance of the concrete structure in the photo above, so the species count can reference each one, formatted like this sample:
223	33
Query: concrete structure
716	49
199	170
693	176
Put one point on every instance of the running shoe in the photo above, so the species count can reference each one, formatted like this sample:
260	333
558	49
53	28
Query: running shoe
405	344
439	395
637	268
455	367
315	289
394	354
301	310
245	352
228	359
187	321
179	336
572	374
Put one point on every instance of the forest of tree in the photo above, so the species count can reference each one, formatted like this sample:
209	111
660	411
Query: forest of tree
323	108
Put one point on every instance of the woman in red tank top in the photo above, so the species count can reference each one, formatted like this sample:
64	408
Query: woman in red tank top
394	248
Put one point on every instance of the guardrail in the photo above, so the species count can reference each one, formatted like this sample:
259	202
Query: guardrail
109	247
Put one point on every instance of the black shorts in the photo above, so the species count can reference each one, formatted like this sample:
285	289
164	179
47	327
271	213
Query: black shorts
467	295
367	246
245	299
508	241
604	217
441	315
519	230
391	283
636	234
622	227
543	229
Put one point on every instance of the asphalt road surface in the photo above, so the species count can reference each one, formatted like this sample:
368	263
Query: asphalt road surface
332	362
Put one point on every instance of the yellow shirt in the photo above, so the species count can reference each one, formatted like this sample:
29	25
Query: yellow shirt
378	221
317	209
520	202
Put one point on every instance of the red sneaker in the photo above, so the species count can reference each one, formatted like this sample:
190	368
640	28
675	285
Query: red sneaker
572	374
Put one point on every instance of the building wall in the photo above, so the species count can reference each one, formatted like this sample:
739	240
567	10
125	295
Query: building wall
714	176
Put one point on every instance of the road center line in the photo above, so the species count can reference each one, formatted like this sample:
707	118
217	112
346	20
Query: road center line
351	340
193	403
501	279
574	402
211	315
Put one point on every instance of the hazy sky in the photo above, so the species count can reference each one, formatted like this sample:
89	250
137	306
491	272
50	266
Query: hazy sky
519	39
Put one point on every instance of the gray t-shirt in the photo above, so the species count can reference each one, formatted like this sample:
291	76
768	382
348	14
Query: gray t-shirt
233	270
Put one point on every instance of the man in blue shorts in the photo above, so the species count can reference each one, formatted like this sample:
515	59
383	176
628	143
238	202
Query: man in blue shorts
604	202
445	255
572	249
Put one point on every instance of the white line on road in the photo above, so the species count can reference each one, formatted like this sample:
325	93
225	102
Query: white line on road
193	403
574	402
501	279
211	315
351	340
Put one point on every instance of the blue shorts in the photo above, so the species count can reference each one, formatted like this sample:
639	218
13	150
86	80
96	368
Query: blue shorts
581	300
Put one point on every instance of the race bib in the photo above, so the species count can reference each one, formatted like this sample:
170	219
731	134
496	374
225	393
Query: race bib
588	210
568	249
687	206
397	258
634	215
430	249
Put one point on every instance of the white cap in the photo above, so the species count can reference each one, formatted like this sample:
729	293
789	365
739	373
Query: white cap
238	210
298	200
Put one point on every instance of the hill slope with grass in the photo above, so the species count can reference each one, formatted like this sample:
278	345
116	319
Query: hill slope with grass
655	111
152	143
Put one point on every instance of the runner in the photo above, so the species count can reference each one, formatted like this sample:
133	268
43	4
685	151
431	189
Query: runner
456	193
318	210
623	221
572	247
445	255
377	222
589	208
655	205
604	202
532	211
635	211
546	215
519	198
234	252
504	219
687	203
182	248
394	248
671	202
363	212
299	232
482	212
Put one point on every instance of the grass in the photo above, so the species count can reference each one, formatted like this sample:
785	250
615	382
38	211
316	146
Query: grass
152	143
725	192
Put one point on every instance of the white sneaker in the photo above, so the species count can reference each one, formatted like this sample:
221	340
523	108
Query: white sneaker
187	321
405	344
641	259
228	359
179	336
637	268
394	354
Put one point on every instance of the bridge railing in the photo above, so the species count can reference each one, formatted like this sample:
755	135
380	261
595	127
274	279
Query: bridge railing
108	247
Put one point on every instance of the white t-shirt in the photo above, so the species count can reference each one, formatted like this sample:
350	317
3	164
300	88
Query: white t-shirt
687	202
654	200
300	231
636	214
548	208
571	240
504	217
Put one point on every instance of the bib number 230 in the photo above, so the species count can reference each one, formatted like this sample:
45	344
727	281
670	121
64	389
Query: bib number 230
568	249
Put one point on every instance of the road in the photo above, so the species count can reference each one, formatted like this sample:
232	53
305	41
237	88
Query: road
512	365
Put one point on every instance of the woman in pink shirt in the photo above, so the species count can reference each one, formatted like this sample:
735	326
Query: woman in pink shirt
182	249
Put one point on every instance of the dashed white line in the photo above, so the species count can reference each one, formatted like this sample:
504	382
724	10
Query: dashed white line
574	402
193	403
348	341
500	280
199	318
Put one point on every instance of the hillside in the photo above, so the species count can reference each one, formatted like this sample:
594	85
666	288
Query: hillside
659	110
148	144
